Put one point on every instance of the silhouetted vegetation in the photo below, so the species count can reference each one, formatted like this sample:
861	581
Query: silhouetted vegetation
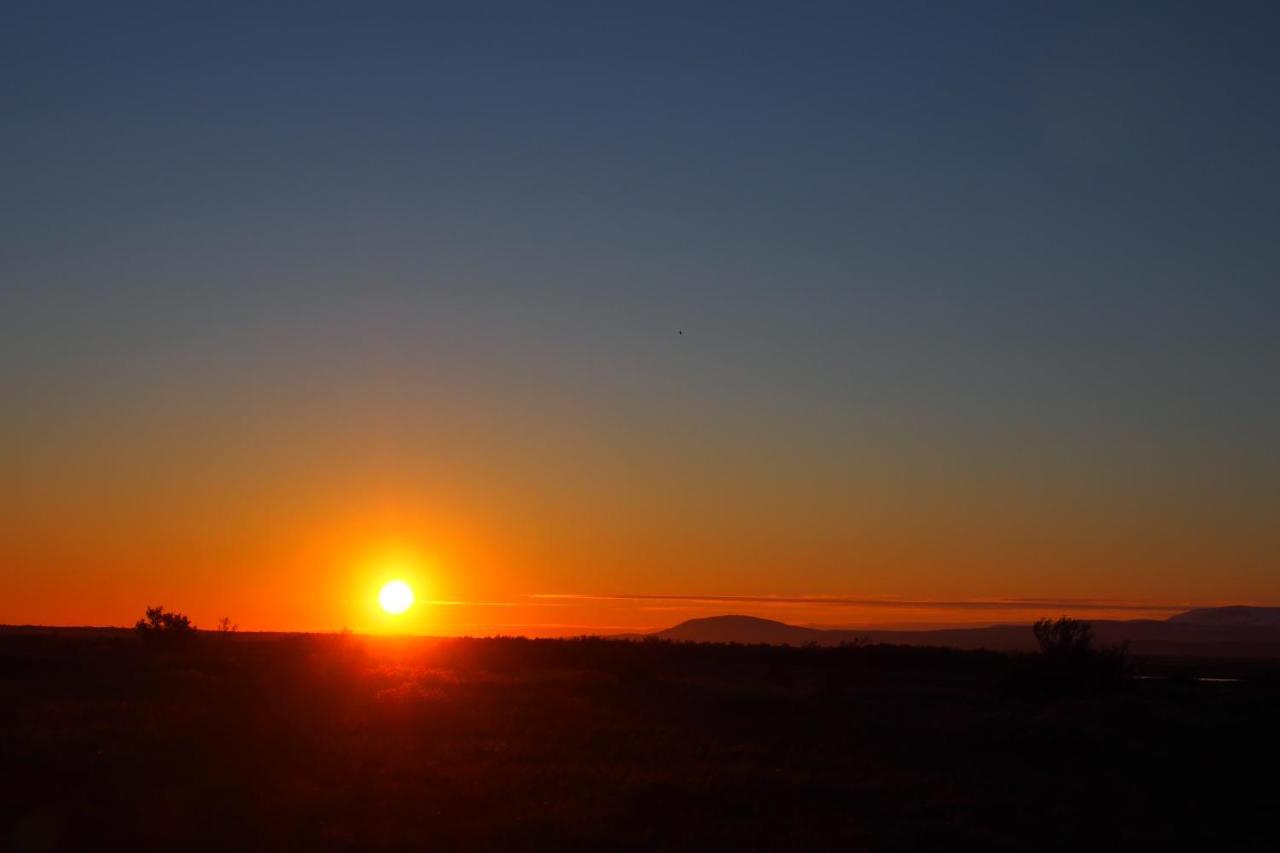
162	628
1068	661
338	741
1063	638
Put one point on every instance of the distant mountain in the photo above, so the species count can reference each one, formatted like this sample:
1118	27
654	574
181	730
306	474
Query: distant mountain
742	629
1205	632
754	630
1250	617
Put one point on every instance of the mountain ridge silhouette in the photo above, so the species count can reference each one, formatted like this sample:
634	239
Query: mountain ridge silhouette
1235	631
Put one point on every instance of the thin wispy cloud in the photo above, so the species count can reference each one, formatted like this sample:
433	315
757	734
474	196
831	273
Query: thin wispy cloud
558	626
1091	604
456	603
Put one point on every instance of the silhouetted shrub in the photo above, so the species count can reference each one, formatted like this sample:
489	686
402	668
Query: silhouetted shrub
164	628
1064	637
1068	661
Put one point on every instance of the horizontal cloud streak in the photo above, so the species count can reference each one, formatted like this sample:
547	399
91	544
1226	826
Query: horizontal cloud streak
960	604
451	603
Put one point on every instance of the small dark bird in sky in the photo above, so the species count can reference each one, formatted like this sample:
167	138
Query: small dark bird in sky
682	331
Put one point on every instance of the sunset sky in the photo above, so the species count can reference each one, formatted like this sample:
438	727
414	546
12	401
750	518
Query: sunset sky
591	317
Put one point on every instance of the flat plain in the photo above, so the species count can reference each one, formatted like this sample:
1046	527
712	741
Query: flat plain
305	742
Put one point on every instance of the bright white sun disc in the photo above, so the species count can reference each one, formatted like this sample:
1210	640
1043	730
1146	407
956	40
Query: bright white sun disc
396	597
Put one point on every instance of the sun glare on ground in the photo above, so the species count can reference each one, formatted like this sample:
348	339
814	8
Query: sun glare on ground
396	597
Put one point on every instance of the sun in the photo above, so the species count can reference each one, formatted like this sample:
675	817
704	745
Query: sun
396	597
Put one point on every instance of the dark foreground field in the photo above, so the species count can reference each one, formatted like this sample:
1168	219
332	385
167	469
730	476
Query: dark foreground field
338	742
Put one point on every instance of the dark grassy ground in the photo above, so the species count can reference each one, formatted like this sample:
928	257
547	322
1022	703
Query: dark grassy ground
331	742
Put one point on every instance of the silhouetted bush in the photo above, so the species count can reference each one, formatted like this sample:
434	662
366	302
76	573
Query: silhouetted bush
1068	661
164	628
1064	637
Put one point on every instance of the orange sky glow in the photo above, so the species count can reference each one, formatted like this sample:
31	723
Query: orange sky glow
591	321
581	543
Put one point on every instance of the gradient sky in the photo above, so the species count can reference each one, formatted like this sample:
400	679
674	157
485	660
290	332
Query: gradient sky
979	305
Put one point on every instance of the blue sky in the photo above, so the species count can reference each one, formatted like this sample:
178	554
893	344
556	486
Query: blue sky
1037	234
